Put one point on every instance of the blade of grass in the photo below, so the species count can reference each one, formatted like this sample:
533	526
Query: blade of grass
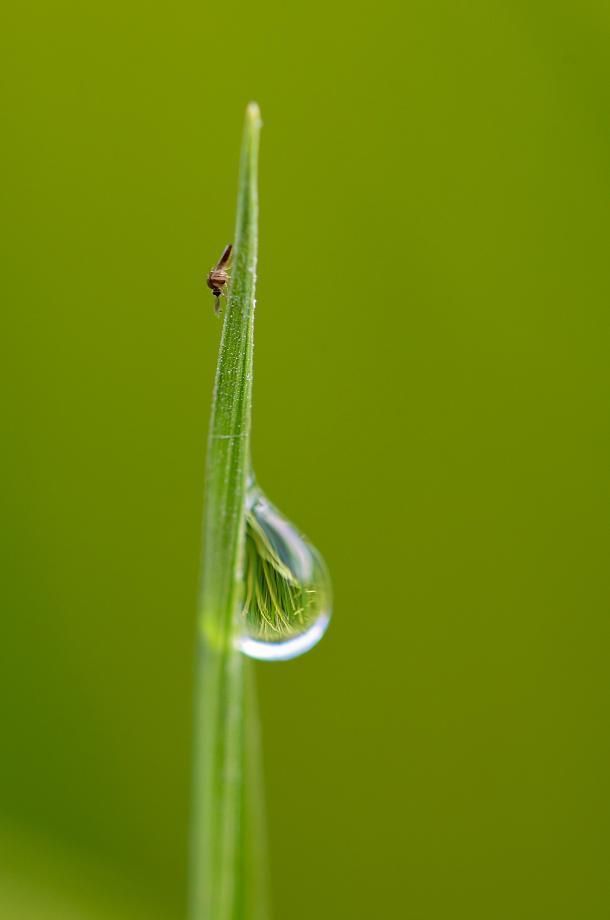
225	874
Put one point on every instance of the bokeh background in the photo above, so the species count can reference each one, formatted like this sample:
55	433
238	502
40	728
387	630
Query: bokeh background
431	406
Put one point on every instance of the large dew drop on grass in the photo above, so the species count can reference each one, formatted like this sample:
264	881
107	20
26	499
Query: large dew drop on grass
287	592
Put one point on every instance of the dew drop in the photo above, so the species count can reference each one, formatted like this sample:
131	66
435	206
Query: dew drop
287	592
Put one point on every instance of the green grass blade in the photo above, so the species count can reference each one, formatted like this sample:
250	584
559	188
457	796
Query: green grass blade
225	875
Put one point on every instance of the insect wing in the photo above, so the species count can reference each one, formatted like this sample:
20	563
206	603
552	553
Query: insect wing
226	255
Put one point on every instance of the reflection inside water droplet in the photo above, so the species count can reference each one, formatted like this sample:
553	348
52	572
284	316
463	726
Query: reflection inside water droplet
287	592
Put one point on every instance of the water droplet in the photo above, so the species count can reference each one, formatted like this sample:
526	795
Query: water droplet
287	592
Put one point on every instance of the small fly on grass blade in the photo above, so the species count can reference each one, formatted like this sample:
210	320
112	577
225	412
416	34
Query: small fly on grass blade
219	276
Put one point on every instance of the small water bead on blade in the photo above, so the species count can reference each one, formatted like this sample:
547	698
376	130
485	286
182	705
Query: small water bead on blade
287	591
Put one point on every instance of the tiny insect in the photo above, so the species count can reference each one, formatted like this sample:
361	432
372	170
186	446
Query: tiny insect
219	276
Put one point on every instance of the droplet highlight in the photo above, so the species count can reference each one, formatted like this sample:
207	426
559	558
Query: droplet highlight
287	599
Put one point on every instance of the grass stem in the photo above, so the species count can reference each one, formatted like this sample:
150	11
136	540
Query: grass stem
226	874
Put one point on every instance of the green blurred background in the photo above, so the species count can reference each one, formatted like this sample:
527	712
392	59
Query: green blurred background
431	406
